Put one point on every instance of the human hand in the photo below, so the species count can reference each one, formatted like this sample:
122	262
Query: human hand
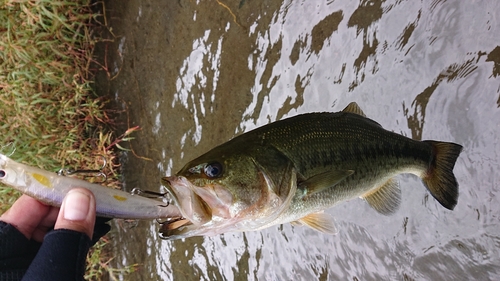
31	250
34	219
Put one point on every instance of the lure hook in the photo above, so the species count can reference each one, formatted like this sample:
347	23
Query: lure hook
97	172
7	145
165	197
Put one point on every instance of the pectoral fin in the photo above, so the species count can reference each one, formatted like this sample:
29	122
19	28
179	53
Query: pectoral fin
320	221
385	199
323	181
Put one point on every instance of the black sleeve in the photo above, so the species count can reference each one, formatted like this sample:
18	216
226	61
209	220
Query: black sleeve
61	257
16	252
63	254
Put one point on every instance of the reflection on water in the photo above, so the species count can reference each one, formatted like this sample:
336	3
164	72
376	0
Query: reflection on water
193	74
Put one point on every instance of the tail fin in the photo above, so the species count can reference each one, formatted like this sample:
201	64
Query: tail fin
439	178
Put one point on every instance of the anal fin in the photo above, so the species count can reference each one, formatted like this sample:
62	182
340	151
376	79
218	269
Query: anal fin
320	221
385	199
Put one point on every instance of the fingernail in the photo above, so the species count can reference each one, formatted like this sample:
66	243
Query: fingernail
76	206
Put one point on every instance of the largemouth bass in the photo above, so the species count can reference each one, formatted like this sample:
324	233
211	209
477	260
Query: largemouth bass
51	188
294	169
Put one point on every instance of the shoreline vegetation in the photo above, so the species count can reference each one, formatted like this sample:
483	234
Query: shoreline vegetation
50	116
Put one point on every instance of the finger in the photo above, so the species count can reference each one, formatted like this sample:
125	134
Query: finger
26	215
77	212
45	225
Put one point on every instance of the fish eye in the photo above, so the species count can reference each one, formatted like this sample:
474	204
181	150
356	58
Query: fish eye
213	170
196	169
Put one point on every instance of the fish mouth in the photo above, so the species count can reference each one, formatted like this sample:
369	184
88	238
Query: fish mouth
198	206
191	206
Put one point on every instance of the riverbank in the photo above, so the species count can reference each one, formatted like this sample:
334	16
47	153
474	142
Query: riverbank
50	116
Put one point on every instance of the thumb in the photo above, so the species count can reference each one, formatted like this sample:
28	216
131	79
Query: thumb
77	212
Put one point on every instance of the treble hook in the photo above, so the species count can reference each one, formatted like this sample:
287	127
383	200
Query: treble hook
98	173
165	197
147	193
9	144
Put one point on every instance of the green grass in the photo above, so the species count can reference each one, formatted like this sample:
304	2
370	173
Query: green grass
49	114
98	264
48	111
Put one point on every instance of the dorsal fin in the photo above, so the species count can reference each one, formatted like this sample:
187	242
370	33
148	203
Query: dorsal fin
319	221
386	198
354	108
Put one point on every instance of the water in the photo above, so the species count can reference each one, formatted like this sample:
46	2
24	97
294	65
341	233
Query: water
193	74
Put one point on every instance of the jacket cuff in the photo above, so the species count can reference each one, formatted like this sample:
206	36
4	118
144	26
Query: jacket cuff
62	256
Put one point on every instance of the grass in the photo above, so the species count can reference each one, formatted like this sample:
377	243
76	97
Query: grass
49	115
98	263
48	111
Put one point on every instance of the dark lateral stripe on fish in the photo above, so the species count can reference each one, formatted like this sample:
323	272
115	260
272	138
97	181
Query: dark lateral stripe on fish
380	151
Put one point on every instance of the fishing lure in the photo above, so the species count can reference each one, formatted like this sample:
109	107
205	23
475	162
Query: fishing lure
50	188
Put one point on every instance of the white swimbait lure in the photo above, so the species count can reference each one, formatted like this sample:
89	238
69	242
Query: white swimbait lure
51	188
